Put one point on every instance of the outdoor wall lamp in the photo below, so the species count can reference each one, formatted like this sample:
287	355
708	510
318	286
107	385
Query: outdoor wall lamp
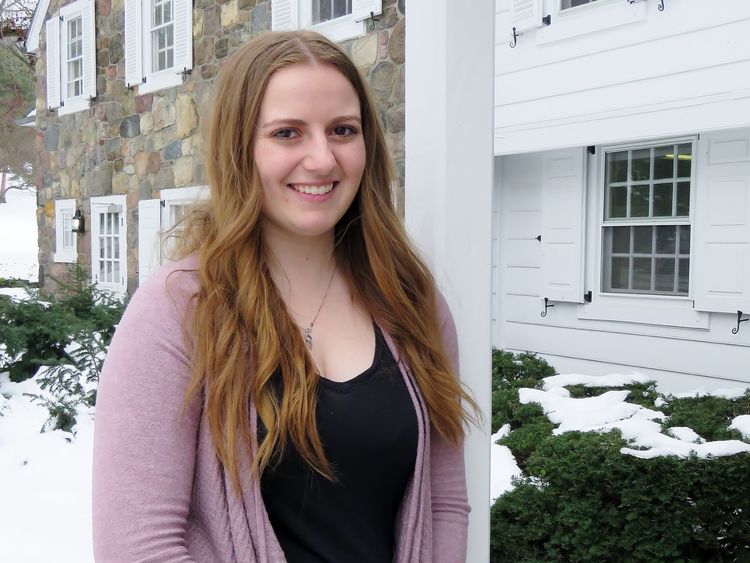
78	223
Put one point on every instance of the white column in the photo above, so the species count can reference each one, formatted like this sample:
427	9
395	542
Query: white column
448	195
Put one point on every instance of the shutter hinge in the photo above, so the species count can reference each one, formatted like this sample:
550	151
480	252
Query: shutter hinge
162	203
546	20
539	238
587	297
591	149
61	18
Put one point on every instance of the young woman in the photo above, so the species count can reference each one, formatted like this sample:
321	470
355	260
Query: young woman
287	390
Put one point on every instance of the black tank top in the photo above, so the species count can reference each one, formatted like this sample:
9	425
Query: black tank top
368	427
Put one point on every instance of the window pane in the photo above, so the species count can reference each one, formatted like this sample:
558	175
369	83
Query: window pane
116	248
683	275
101	223
666	239
167	12
620	239
116	272
157	15
565	4
617	167
101	247
639	201
339	8
640	167
683	199
664	274
620	273
663	162
109	271
108	252
684	239
684	160
642	274
618	201
101	270
115	223
642	240
663	200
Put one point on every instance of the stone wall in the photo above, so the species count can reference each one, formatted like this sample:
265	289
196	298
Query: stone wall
137	145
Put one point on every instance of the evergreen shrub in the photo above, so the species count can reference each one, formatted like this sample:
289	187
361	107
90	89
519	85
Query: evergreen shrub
581	499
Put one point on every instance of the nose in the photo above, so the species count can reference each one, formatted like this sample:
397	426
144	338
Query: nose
319	158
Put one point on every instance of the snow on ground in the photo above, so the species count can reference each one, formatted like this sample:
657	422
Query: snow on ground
18	226
16	293
612	380
45	482
723	392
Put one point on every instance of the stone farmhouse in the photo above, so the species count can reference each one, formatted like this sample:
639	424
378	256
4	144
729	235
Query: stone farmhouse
123	98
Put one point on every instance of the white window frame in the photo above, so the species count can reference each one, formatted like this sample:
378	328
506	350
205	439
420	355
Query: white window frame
100	205
57	50
138	46
297	14
155	218
640	308
339	29
589	18
64	211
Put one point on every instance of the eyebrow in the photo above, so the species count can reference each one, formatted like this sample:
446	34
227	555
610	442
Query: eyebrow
299	122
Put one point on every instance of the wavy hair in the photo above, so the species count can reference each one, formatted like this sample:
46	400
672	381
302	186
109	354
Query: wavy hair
241	332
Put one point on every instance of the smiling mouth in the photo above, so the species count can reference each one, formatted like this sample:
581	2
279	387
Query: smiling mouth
313	189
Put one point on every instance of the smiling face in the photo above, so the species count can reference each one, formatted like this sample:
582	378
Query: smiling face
309	150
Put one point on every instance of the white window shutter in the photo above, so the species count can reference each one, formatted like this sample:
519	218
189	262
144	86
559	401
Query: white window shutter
52	26
526	14
88	25
183	35
563	224
123	249
149	237
361	9
721	229
133	42
285	15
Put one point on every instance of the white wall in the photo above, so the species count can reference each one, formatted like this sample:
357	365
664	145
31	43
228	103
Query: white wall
448	196
612	71
665	338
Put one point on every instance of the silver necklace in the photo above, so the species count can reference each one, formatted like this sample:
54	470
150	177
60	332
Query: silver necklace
308	330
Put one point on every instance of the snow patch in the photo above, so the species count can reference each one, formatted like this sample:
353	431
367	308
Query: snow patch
685	434
503	465
611	380
742	424
723	392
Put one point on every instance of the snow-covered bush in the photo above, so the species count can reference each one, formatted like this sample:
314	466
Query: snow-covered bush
636	486
35	333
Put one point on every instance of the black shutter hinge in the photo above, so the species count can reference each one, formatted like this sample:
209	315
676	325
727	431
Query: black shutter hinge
587	297
539	238
591	149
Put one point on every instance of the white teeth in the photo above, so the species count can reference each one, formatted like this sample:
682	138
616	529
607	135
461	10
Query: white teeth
314	190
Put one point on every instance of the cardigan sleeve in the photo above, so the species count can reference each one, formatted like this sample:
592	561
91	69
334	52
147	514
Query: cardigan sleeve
145	436
450	507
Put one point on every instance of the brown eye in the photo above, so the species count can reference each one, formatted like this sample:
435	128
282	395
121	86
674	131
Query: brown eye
285	134
344	131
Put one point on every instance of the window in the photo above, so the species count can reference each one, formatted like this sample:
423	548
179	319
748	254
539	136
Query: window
336	19
646	229
108	248
567	4
65	238
158	43
156	218
70	55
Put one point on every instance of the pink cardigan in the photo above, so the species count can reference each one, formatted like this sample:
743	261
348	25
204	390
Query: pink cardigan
159	492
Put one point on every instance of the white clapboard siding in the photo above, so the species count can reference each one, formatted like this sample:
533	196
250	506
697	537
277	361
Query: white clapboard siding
52	27
183	35
721	233
149	237
133	43
284	15
526	14
88	28
362	9
563	222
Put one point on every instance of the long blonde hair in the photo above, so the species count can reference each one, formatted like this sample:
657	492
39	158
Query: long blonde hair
240	328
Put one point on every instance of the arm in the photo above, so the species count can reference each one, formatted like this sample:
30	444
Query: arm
144	445
450	507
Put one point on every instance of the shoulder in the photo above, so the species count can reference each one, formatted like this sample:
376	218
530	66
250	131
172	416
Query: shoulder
176	282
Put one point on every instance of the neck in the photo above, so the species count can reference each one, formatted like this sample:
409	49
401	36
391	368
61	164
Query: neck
299	264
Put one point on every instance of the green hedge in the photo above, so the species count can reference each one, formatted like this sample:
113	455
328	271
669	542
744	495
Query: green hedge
580	499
